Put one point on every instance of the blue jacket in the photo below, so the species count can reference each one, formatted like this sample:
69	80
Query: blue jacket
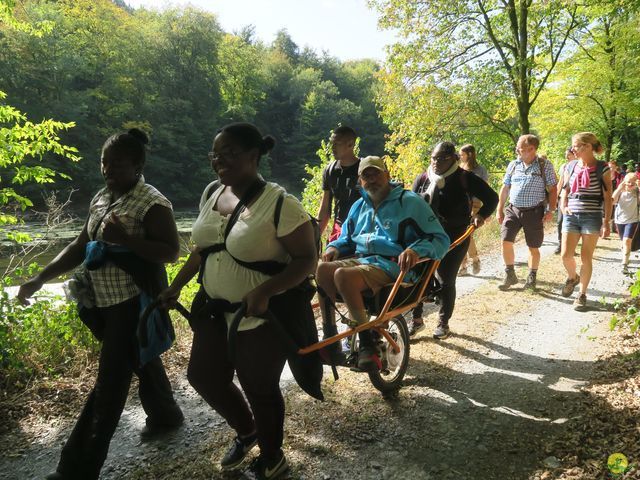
403	220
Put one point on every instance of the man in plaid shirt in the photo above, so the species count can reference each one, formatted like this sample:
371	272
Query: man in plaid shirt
528	182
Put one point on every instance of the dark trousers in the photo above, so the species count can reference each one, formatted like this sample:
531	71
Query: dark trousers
560	217
447	274
86	449
259	363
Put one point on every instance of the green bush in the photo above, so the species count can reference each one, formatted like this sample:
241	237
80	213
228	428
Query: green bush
44	338
631	315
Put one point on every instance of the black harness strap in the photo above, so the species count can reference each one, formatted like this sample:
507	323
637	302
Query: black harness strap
248	196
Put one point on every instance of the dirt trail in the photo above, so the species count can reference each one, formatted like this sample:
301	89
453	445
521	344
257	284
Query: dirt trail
486	403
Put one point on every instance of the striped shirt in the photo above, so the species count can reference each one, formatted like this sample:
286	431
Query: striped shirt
590	199
527	187
112	285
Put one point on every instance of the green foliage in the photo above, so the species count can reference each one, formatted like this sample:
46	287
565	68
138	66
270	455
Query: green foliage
312	193
190	289
179	76
22	143
596	88
44	338
459	45
484	72
629	316
7	17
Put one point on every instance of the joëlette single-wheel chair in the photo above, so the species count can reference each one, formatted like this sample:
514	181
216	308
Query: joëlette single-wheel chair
388	307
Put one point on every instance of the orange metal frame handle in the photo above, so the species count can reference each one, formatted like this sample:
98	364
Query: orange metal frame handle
385	315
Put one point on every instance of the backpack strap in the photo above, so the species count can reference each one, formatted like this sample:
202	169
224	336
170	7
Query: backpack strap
541	167
510	168
212	188
278	210
599	174
248	196
569	169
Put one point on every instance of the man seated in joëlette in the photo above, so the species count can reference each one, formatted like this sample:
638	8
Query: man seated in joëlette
387	230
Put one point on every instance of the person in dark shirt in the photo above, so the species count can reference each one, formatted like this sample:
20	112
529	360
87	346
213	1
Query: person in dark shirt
339	181
449	190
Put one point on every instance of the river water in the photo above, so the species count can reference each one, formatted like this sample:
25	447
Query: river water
54	241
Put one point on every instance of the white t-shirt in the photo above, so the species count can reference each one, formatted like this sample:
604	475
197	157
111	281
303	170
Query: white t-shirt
627	211
253	238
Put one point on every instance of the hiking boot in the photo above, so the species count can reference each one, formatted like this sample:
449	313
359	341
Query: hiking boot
510	279
416	326
368	359
263	469
580	303
475	266
441	332
239	449
463	272
530	284
570	285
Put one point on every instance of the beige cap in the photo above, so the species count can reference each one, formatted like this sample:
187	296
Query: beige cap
374	162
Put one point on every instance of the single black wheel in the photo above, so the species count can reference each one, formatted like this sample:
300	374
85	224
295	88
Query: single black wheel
394	365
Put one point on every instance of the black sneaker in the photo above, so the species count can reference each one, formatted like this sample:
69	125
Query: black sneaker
235	455
510	279
530	284
368	359
417	325
263	469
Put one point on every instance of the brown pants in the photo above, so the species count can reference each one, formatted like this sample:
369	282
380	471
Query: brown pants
529	220
259	364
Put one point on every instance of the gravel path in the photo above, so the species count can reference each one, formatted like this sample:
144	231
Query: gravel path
485	403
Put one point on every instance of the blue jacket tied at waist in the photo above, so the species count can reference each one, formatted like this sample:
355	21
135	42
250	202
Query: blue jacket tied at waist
378	235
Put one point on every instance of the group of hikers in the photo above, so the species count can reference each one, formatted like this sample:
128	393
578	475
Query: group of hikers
255	245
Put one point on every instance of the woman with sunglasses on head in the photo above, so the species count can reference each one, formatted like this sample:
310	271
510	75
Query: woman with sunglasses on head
229	279
449	189
585	195
132	214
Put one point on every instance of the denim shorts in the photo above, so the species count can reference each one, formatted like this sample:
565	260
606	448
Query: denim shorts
584	223
627	230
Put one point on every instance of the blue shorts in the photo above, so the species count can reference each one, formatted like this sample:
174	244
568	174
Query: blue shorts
583	223
627	230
